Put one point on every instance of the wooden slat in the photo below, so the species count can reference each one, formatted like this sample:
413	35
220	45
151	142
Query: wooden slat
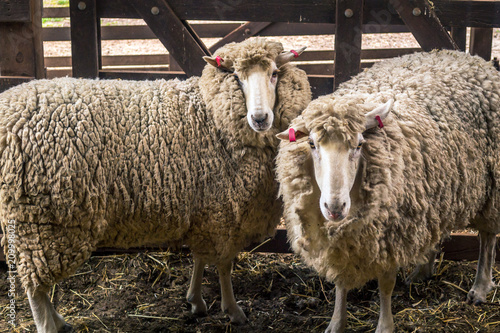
424	24
458	247
459	35
214	30
177	36
7	82
138	75
163	59
17	50
15	11
85	41
240	34
451	13
480	42
55	12
348	39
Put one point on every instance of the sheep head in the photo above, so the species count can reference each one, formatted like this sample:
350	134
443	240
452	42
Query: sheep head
335	136
256	69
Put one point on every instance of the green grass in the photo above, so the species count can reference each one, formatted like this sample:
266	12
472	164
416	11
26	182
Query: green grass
56	3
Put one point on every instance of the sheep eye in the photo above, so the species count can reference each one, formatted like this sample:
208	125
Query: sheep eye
275	74
359	145
311	144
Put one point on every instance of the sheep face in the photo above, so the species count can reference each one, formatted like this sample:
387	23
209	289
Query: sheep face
259	87
255	64
336	154
335	167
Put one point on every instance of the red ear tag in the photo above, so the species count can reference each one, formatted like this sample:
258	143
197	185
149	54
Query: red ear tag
219	60
295	53
380	124
291	135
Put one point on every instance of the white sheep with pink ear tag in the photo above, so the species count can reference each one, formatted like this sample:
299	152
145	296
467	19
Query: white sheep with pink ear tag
397	158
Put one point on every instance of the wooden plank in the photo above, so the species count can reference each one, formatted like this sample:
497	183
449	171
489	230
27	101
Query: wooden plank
240	34
140	75
214	30
320	85
480	42
425	26
459	35
7	82
17	51
349	17
36	27
15	11
450	12
85	42
458	247
55	12
177	36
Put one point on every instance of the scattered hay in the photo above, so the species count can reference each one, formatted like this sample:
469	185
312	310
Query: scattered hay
145	292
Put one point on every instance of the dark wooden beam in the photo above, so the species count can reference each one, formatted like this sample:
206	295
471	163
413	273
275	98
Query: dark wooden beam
85	38
480	42
349	18
459	35
177	36
241	33
450	12
7	82
15	11
425	26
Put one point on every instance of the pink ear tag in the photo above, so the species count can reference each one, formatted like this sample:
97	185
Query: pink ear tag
219	60
295	53
380	123
291	135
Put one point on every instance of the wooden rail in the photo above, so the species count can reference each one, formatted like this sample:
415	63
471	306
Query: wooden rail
460	246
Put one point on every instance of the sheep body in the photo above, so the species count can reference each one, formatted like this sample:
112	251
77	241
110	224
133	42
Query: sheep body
87	163
431	169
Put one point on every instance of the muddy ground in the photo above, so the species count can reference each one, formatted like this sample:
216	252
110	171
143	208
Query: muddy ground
145	292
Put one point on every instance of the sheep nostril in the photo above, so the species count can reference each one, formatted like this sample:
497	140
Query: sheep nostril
260	119
343	205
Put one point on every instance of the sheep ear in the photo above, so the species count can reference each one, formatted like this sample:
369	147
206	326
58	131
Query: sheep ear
294	133
219	63
376	116
285	56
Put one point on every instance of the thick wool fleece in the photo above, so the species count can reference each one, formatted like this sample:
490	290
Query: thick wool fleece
431	169
88	163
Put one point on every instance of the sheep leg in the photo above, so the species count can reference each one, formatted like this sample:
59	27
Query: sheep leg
228	303
194	297
386	283
339	318
425	271
47	320
484	278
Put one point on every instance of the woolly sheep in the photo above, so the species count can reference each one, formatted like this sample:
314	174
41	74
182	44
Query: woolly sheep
87	163
365	195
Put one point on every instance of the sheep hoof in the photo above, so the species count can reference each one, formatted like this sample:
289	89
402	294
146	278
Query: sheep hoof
237	316
67	328
475	298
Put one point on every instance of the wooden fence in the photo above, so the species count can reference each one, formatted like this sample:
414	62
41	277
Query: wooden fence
181	26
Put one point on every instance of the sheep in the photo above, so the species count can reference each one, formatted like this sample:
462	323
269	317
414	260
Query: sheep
88	163
374	175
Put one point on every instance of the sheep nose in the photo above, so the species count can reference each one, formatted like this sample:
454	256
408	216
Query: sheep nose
260	118
336	209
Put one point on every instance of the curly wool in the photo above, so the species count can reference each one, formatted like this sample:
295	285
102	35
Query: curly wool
431	169
87	163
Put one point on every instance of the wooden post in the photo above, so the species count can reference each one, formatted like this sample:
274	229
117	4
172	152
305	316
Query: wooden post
459	35
480	42
85	38
423	23
348	33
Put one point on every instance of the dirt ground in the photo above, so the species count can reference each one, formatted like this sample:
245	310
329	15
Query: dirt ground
145	292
